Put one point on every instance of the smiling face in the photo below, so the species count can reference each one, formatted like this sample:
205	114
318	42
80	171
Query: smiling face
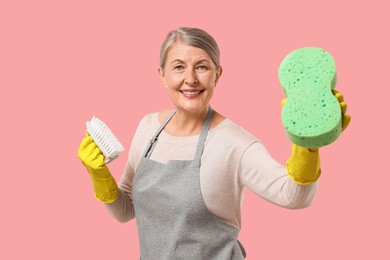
190	77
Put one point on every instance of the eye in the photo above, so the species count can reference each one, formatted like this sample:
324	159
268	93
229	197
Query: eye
202	67
178	67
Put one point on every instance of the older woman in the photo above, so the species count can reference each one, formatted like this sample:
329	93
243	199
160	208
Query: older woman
187	167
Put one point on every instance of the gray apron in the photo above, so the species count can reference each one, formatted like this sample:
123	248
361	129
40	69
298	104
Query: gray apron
172	219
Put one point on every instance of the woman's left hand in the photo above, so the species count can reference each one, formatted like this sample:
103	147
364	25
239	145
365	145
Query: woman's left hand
346	119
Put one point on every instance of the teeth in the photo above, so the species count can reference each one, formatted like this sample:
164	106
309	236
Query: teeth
191	92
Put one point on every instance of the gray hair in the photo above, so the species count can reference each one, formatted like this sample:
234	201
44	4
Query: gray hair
191	36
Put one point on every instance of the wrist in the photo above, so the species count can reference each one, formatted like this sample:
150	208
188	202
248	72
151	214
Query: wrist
101	172
303	166
104	184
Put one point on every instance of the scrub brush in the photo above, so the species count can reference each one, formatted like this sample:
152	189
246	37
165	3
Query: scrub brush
104	139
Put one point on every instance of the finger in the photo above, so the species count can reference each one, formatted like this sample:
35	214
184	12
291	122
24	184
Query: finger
100	159
96	159
338	95
95	152
84	143
283	101
89	149
343	107
346	121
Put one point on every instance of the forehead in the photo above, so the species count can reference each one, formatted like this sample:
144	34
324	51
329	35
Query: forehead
186	52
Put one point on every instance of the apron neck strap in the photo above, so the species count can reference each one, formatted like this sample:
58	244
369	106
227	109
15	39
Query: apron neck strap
202	137
153	141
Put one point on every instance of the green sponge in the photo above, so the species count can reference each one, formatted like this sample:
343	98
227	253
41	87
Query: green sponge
311	115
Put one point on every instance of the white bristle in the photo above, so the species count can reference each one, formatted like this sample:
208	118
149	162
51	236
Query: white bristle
104	139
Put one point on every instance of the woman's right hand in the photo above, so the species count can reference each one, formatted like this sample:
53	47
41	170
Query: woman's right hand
90	154
104	184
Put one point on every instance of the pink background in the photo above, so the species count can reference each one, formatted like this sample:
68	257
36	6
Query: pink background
63	61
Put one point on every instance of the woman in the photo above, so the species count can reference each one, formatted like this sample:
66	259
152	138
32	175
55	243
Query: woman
187	167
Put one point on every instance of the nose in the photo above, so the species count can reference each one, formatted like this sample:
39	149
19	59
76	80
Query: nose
191	78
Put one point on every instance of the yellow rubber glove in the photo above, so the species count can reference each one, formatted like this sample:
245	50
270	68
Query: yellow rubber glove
303	166
346	119
105	187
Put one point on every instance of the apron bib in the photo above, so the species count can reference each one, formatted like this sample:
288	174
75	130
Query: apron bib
172	219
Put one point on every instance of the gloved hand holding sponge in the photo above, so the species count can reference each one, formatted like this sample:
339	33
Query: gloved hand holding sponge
105	187
313	114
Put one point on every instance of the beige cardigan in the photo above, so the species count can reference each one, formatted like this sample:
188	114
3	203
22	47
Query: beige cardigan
232	160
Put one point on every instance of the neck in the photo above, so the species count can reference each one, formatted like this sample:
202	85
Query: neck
186	123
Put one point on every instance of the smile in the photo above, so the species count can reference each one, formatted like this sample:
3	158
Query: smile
191	92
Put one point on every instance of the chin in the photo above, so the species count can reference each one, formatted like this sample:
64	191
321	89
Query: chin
192	108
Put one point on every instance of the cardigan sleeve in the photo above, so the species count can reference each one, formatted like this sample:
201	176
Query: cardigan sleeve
269	179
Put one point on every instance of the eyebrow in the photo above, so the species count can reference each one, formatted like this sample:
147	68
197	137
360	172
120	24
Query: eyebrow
204	60
200	61
176	60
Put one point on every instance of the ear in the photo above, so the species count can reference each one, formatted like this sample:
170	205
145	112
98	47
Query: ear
161	72
219	73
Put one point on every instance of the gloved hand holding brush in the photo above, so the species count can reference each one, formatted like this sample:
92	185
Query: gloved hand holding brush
105	187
